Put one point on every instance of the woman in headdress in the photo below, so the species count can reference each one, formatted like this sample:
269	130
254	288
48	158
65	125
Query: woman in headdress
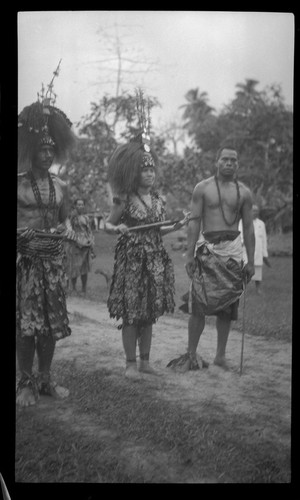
44	134
142	287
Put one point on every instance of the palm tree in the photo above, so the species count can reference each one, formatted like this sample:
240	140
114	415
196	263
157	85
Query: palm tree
196	110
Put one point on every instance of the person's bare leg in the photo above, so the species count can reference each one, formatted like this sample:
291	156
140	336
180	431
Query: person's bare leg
129	338
83	283
195	328
25	347
145	340
45	347
258	287
223	328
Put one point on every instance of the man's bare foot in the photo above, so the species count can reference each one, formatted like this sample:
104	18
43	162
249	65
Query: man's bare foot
51	388
25	397
222	363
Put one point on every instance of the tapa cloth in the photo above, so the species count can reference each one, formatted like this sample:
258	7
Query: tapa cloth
143	283
217	282
79	251
40	299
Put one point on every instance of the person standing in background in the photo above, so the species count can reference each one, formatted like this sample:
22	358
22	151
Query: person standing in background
261	249
80	251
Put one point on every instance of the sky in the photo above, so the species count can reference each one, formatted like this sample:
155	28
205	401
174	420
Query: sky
182	50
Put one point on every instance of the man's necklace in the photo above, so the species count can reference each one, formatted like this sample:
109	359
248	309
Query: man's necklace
43	207
237	209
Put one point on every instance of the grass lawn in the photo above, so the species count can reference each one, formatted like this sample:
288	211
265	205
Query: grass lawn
269	314
117	418
110	431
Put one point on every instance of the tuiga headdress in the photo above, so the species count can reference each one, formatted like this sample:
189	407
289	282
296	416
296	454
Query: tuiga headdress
42	123
127	160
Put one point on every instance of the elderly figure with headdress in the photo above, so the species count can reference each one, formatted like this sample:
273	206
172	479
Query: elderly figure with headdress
142	286
44	135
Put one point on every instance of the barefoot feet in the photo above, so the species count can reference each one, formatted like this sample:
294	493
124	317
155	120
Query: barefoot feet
51	388
146	368
131	372
25	397
221	362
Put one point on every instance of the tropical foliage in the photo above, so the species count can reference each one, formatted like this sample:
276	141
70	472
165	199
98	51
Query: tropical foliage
257	123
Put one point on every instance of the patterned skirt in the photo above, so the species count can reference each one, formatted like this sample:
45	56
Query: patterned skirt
143	283
41	301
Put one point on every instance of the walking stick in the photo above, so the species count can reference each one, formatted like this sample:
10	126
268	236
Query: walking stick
243	330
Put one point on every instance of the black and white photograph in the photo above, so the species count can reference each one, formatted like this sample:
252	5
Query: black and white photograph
154	253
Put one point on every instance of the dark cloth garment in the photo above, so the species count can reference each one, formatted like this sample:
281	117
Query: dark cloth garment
231	311
79	251
143	284
217	282
40	296
216	237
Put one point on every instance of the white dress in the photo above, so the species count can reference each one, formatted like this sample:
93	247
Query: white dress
261	249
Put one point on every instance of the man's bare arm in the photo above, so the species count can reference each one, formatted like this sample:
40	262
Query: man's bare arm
195	224
194	227
63	216
64	208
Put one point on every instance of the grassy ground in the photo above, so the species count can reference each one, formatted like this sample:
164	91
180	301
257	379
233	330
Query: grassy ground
269	315
215	444
90	437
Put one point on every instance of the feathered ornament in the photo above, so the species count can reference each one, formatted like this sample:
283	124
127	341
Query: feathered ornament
126	162
143	112
42	123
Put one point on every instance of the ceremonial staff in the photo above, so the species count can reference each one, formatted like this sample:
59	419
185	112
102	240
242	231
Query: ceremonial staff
243	328
185	220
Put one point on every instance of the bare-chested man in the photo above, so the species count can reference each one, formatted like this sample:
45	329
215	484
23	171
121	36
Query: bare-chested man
218	203
44	134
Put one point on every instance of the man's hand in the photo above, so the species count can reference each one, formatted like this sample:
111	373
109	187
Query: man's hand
182	222
266	261
190	267
249	272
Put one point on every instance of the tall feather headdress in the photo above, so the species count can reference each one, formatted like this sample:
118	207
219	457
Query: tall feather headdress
127	160
144	119
43	123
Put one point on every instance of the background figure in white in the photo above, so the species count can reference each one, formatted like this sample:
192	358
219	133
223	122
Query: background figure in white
261	248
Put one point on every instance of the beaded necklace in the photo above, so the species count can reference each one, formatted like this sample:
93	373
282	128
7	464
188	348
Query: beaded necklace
43	207
237	204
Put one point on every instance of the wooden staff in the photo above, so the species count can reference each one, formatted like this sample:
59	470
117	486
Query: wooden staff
243	330
153	224
186	219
